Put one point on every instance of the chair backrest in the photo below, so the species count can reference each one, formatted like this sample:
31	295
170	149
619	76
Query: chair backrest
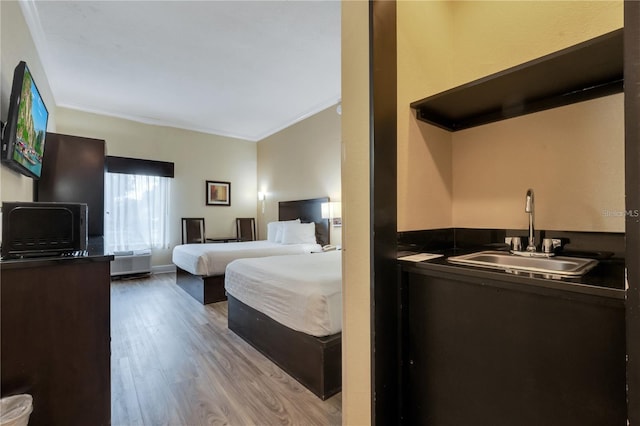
193	230
246	229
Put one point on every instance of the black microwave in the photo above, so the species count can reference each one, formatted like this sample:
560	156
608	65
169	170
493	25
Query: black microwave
42	229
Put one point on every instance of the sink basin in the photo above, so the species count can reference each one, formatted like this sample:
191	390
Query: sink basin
563	266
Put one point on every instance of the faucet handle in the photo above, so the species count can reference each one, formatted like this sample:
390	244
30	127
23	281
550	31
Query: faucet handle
550	244
515	243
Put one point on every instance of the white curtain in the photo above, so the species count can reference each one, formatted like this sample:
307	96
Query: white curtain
136	212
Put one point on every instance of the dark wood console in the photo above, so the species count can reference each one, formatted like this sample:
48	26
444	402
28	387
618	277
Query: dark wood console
488	348
55	325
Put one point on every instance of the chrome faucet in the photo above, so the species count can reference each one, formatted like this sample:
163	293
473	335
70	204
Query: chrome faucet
529	208
549	245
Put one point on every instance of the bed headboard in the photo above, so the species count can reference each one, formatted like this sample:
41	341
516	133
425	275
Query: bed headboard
307	211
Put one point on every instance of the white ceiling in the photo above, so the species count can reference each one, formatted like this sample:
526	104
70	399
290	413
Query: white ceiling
244	69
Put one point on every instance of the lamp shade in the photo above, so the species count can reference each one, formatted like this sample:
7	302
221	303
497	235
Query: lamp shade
331	210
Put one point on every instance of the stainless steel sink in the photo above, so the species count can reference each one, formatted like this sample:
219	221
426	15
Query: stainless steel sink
563	266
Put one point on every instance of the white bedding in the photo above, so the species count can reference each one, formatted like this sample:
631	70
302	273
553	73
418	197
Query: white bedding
212	258
303	293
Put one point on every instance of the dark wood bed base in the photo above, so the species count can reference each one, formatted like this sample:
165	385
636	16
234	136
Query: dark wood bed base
313	361
203	289
210	289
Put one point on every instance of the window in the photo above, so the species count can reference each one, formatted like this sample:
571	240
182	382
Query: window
136	212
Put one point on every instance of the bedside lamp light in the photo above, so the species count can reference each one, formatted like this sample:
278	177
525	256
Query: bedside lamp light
261	197
325	210
332	211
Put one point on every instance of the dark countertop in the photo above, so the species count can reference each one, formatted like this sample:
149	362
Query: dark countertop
606	279
95	253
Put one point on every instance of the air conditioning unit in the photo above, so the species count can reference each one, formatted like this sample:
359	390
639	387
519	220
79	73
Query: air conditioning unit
131	262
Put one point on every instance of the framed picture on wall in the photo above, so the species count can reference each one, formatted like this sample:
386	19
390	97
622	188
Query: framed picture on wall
218	193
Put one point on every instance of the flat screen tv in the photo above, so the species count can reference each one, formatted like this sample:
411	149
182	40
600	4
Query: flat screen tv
24	134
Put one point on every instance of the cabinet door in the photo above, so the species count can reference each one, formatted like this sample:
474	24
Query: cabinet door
484	355
56	341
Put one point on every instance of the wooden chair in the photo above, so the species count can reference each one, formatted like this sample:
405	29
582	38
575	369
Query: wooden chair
193	230
246	228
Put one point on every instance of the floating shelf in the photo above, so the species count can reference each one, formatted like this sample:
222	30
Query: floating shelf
588	70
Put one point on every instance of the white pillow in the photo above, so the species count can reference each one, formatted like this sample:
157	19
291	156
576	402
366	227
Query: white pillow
274	230
299	233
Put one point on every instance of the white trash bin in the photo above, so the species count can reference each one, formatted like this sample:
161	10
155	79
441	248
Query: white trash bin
15	410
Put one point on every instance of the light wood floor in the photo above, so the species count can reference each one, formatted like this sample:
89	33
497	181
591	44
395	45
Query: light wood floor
175	362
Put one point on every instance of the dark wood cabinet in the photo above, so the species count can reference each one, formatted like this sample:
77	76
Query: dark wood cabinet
480	352
55	325
73	170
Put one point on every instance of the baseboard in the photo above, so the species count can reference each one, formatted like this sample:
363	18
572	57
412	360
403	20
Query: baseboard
163	269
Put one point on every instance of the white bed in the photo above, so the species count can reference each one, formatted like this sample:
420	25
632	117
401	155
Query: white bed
301	229
212	259
290	309
302	292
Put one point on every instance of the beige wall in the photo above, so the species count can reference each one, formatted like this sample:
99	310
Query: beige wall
356	278
467	179
425	60
572	157
198	157
300	162
490	36
17	45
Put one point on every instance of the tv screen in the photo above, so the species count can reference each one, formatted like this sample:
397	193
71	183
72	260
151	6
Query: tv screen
24	135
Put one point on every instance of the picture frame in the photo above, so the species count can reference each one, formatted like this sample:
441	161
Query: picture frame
218	193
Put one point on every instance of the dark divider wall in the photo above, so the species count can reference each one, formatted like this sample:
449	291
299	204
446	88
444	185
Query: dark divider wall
632	186
385	321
